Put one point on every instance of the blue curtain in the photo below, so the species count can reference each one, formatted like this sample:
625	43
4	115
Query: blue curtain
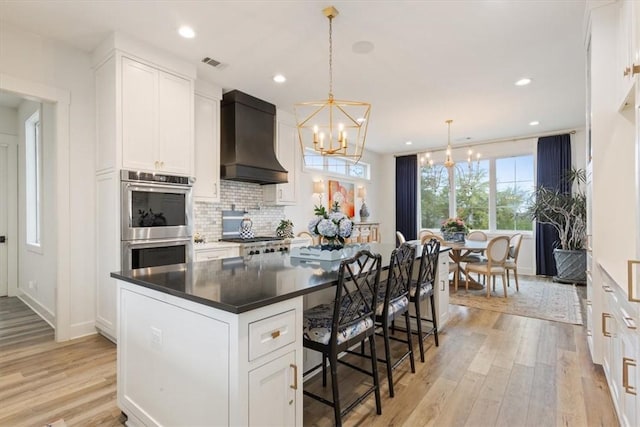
554	160
407	196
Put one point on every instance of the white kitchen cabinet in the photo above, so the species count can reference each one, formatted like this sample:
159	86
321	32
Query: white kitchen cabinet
184	363
207	148
442	291
287	151
157	120
144	117
216	250
620	350
628	58
277	380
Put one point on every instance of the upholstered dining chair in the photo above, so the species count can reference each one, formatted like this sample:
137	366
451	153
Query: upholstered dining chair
308	236
425	233
478	236
497	252
512	259
422	288
350	319
400	238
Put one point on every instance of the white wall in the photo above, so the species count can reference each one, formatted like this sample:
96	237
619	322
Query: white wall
37	267
526	260
9	120
47	62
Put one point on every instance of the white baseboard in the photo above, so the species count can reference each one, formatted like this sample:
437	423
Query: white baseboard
82	329
42	311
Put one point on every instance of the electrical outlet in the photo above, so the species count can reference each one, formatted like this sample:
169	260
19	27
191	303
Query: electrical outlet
156	338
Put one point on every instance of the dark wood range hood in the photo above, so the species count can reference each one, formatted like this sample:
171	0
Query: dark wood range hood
247	137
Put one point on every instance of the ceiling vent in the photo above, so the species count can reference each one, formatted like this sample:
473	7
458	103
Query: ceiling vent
215	64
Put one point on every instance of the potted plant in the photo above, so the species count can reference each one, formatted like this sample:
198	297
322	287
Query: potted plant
454	229
567	213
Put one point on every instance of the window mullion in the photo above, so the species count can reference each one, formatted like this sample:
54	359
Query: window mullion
492	194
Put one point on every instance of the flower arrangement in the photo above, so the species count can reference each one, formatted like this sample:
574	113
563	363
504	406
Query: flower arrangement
453	225
333	227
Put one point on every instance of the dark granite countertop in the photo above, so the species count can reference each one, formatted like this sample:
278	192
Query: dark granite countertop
241	284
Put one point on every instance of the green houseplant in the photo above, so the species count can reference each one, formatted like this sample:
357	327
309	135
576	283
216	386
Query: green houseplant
567	213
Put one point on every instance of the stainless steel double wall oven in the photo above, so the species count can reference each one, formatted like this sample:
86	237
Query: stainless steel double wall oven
157	219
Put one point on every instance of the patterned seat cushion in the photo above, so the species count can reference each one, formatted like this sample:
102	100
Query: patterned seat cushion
400	305
425	289
317	325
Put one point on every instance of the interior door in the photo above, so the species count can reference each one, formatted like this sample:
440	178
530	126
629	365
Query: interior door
4	195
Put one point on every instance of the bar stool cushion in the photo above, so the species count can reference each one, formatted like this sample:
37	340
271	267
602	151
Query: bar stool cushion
425	288
317	325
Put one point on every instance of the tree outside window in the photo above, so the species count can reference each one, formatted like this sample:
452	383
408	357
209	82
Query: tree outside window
434	195
472	193
514	187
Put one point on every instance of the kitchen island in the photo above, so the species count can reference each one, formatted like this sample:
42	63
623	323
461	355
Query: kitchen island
219	342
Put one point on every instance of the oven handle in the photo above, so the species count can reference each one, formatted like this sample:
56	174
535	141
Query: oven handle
143	185
155	242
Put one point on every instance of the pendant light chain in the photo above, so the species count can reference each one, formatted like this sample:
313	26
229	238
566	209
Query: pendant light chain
330	58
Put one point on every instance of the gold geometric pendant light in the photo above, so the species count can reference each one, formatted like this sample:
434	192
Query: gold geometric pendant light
332	127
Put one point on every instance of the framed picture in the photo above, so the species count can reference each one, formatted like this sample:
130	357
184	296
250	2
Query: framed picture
344	194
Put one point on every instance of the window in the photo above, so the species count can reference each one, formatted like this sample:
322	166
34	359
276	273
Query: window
472	193
33	168
336	165
434	195
514	187
506	183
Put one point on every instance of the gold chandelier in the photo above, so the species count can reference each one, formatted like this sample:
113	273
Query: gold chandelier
332	127
448	161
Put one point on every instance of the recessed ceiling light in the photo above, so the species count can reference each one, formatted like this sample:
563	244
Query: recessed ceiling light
186	32
534	123
523	82
408	142
279	78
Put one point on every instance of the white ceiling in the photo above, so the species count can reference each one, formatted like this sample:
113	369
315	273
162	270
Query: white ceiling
432	60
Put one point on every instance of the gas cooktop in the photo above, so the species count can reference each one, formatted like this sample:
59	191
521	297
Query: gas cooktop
252	240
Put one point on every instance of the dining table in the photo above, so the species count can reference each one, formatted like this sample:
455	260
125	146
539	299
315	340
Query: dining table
459	251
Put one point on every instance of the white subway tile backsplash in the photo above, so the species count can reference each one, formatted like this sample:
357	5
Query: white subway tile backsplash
245	196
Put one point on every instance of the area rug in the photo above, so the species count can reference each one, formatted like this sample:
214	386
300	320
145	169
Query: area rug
538	298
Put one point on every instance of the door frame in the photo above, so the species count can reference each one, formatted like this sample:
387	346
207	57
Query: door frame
11	142
60	99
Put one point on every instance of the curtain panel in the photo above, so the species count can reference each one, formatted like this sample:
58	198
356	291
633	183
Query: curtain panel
553	162
407	196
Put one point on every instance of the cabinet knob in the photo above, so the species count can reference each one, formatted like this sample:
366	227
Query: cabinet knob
626	71
635	69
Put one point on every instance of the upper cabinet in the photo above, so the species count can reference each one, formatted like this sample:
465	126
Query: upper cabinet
207	145
287	152
144	117
628	51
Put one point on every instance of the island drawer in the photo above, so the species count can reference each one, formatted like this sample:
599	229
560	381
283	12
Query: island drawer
267	335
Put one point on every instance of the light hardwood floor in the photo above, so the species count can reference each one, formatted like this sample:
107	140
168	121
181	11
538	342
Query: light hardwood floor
490	369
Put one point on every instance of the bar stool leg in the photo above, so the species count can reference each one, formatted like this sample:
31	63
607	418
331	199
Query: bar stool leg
410	341
419	323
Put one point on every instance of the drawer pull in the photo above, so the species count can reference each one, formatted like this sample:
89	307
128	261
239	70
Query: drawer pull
630	294
626	362
275	334
442	281
295	376
605	316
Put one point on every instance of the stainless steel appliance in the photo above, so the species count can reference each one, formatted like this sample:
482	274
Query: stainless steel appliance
155	206
259	245
156	252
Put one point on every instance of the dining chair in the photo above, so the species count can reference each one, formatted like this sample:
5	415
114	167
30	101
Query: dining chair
512	259
477	236
497	252
422	288
400	238
350	319
425	233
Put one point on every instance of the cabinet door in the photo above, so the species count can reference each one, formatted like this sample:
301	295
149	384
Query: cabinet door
139	116
207	149
272	397
442	291
175	124
287	154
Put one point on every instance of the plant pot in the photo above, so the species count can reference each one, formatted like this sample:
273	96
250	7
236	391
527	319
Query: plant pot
571	266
